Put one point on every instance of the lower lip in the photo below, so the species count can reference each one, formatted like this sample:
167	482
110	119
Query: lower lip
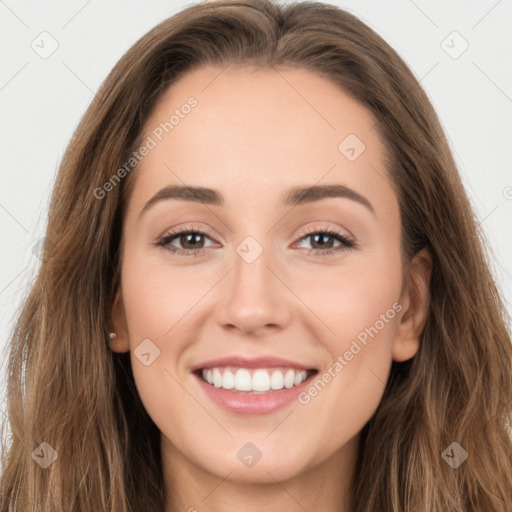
252	404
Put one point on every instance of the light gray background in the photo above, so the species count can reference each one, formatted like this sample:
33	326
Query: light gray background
42	100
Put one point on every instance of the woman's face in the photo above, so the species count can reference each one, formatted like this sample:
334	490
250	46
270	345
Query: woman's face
276	281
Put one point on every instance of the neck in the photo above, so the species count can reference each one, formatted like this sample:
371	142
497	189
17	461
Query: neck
324	485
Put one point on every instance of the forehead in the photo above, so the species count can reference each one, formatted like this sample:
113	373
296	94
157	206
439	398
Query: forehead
254	133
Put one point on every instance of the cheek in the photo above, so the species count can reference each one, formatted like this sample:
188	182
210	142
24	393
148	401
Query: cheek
358	301
153	308
360	306
157	296
157	301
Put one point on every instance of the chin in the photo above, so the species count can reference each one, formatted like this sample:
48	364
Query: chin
248	464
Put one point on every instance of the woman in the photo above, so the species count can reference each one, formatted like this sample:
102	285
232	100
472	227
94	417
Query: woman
184	348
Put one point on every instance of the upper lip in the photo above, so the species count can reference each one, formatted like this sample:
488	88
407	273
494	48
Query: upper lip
251	362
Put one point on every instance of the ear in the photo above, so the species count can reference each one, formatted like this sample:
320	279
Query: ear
120	343
415	300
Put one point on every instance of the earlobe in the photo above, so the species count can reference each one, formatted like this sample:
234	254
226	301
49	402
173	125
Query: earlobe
415	301
120	341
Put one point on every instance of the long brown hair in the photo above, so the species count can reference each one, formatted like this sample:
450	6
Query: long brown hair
66	387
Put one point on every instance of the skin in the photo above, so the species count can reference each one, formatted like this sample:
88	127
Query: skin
252	137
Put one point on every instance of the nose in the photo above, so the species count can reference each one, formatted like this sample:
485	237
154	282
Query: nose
253	297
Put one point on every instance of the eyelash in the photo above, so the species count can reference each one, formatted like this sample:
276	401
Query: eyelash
347	243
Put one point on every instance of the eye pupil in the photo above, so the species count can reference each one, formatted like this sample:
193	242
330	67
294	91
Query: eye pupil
319	240
193	237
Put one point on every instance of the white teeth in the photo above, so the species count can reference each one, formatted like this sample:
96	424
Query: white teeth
228	380
217	378
243	380
289	378
277	380
260	381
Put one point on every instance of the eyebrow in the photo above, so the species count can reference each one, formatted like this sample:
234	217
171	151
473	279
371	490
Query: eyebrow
294	197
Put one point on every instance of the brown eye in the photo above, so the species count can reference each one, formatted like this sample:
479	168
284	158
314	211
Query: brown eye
186	242
323	240
190	240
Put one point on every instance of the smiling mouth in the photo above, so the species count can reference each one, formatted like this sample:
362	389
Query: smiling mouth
254	380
